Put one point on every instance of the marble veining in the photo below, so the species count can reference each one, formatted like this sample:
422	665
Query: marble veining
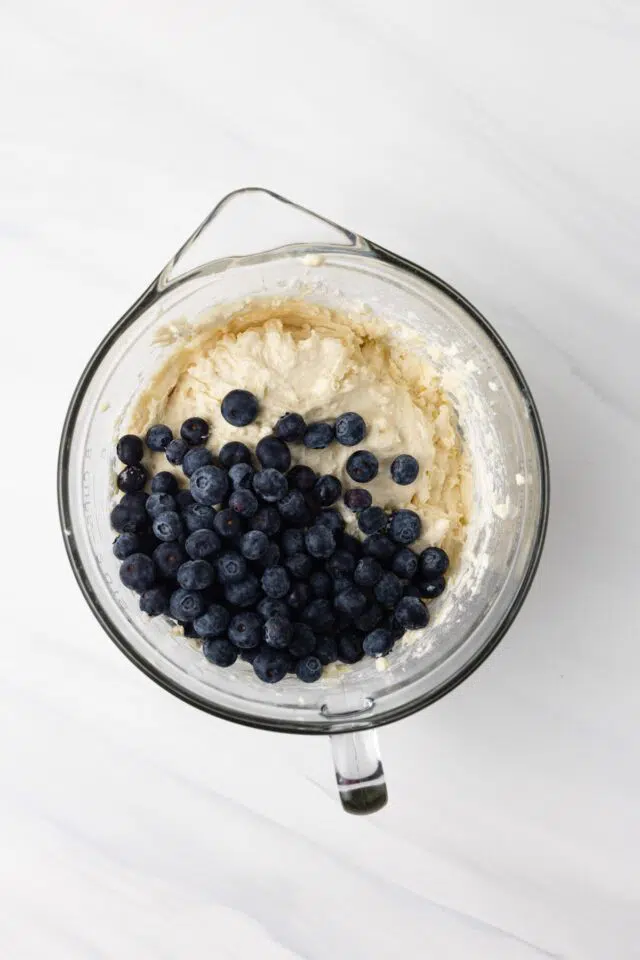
496	144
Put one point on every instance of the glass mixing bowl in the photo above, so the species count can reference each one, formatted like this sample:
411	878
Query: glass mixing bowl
255	243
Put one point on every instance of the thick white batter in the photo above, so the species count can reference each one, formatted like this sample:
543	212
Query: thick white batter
297	356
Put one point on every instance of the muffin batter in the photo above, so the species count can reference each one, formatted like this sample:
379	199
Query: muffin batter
299	356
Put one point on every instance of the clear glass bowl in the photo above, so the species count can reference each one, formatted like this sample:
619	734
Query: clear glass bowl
301	253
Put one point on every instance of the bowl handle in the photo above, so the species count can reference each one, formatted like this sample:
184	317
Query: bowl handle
247	223
359	773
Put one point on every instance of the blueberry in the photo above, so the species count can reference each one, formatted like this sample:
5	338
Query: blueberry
298	596
388	589
213	622
299	565
290	428
227	523
270	484
168	557
309	669
351	601
220	652
430	589
293	508
433	563
341	582
404	469
231	567
184	499
317	436
198	516
135	499
372	520
341	563
175	451
320	583
246	593
367	572
326	649
194	431
276	582
209	485
195	575
318	615
244	503
380	547
268	607
164	482
352	545
158	437
132	479
168	526
301	478
202	544
254	545
320	542
362	466
405	526
303	642
245	630
129	518
233	453
357	499
160	503
274	453
405	563
267	520
350	647
271	666
411	613
278	632
377	643
292	541
239	408
196	457
138	572
332	519
327	490
154	602
130	449
370	619
241	476
126	544
350	429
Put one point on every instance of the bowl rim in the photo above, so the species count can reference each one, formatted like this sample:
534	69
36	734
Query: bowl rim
336	724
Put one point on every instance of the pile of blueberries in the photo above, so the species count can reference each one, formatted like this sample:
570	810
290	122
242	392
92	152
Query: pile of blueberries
254	558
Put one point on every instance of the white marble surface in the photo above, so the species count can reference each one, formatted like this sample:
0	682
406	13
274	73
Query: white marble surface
497	143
